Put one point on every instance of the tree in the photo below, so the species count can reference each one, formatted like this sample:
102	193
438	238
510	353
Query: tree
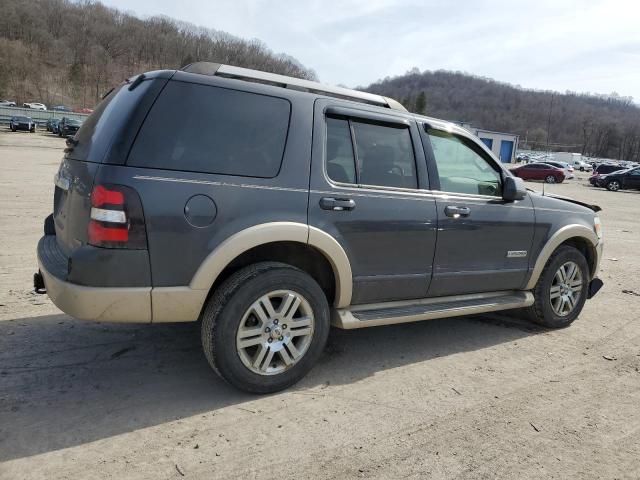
421	103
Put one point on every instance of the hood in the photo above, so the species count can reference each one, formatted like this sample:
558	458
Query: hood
590	206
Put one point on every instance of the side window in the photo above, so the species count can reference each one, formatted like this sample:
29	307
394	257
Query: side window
385	155
635	172
200	128
341	164
461	169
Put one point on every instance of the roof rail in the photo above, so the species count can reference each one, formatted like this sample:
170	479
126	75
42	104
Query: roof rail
228	71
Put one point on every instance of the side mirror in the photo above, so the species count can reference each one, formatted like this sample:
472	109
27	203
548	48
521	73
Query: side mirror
513	189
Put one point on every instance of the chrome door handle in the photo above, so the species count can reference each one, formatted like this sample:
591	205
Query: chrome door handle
337	204
457	212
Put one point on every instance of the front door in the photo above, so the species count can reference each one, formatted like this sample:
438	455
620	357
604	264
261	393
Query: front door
483	242
368	189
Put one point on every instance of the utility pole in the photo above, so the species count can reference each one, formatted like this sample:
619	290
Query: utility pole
549	120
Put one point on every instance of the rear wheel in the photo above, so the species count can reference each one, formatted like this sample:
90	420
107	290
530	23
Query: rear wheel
550	179
265	327
613	185
561	290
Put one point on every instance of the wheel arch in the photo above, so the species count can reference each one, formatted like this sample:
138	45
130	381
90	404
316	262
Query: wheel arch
578	236
283	238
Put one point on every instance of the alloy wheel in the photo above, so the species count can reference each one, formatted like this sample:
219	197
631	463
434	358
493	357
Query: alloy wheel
613	185
566	289
551	179
275	332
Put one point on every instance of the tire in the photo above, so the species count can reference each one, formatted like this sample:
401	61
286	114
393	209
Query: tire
545	311
229	311
613	185
550	179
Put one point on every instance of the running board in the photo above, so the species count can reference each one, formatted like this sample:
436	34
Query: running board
389	313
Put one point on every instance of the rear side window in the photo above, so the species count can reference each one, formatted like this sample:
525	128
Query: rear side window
341	165
199	128
383	154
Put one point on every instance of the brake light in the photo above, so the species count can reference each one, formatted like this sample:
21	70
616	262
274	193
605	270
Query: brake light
101	196
117	220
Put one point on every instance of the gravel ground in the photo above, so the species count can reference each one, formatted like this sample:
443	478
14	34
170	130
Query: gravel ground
474	397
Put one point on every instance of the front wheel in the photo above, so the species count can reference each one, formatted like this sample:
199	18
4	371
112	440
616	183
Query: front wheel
550	179
613	185
265	327
561	290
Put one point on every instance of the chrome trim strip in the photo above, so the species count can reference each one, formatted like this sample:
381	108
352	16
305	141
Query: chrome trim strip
219	184
405	194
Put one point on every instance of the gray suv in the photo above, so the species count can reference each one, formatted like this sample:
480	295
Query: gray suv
270	208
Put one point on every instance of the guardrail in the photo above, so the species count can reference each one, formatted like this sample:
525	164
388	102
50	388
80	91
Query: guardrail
39	116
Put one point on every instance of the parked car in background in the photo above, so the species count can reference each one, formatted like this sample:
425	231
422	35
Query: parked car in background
582	165
51	123
84	110
603	169
61	108
568	169
522	157
35	106
621	180
22	123
540	171
7	103
68	127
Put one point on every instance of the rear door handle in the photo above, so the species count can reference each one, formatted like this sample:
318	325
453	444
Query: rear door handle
457	212
337	204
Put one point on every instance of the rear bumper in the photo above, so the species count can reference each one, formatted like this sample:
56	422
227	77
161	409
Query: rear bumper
101	304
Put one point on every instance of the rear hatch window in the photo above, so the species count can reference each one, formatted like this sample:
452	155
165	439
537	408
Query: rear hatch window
201	128
85	136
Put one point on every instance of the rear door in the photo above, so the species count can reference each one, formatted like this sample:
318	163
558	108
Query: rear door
369	190
484	243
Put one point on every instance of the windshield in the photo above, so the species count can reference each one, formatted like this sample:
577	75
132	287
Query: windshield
75	123
23	119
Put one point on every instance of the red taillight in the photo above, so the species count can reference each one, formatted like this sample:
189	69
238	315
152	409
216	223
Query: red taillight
99	235
101	196
117	220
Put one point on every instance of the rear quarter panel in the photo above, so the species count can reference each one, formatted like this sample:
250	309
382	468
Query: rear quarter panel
177	248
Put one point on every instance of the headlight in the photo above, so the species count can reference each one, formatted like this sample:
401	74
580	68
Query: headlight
597	227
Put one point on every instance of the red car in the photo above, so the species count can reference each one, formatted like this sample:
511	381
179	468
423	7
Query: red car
539	171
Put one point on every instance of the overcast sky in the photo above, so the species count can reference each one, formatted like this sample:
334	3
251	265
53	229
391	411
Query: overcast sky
584	46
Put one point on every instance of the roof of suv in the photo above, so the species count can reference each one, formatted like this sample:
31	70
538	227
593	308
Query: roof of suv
228	71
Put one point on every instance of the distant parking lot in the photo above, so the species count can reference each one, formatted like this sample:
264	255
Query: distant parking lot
472	397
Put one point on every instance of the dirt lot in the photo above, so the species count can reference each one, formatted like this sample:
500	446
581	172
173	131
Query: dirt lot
474	397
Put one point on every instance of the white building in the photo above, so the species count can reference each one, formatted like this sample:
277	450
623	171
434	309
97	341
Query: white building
503	145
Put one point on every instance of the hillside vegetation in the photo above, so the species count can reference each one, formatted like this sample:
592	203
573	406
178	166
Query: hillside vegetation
595	125
62	52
